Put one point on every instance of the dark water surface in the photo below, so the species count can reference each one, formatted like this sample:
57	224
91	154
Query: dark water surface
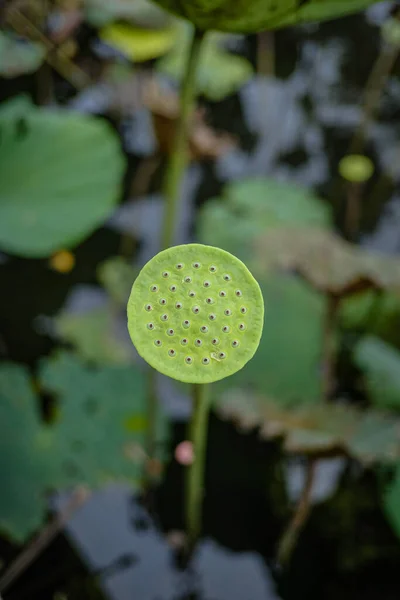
294	126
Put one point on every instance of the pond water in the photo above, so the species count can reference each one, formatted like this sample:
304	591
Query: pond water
295	125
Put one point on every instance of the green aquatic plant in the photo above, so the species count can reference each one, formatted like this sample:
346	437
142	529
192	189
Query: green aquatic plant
196	314
256	15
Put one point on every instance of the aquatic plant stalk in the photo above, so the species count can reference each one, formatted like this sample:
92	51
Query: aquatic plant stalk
195	474
179	153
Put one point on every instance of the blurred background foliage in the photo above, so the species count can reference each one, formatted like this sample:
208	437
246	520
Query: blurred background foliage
291	173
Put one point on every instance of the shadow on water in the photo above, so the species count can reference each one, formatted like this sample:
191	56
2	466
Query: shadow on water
296	126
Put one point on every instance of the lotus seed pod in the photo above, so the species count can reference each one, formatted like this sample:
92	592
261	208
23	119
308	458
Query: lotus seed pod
246	16
356	168
195	338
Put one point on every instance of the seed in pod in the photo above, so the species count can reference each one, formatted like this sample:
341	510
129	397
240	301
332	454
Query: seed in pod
207	335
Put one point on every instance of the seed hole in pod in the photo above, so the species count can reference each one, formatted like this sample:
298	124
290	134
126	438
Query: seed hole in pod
225	329
192	294
164	317
243	310
165	274
227	277
227	312
196	265
212	269
173	288
184	341
188	279
215	341
172	352
148	307
163	301
188	360
178	305
235	344
209	301
186	324
150	326
206	361
242	326
238	293
197	342
204	329
154	288
196	310
170	332
179	266
212	317
157	342
206	284
222	294
221	355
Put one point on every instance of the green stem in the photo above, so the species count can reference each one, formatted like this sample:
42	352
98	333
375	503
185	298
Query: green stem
179	154
195	475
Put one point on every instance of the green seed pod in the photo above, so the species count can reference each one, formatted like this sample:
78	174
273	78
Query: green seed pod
256	15
196	338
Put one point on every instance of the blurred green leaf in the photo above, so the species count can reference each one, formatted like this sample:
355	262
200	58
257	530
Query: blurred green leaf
27	463
61	174
391	502
257	15
329	263
117	275
100	430
219	73
18	56
251	207
381	365
368	436
94	334
141	12
137	44
286	366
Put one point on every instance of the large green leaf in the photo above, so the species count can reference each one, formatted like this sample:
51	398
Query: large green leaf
94	334
18	56
251	207
381	365
27	462
369	436
219	73
61	175
286	366
257	15
101	422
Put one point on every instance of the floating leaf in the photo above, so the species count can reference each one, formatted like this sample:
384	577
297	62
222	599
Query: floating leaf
391	501
95	336
369	436
329	263
251	207
141	12
381	365
219	73
356	168
138	44
102	420
19	56
116	275
27	463
286	366
245	16
61	174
